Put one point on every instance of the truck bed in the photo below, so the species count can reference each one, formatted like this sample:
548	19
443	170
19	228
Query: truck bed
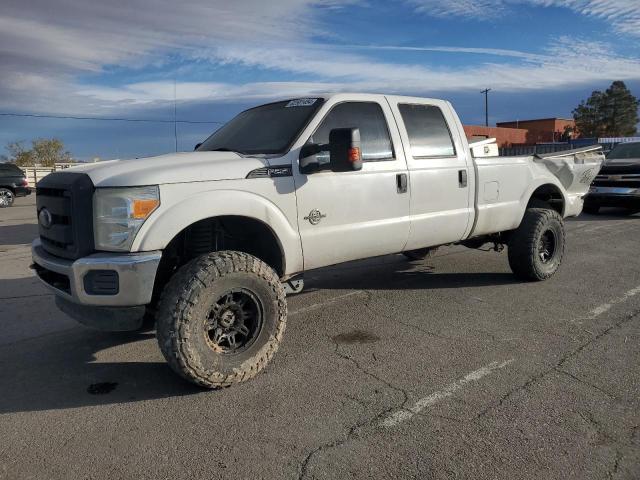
505	184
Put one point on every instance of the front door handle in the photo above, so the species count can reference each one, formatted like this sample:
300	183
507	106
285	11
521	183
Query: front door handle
401	182
462	178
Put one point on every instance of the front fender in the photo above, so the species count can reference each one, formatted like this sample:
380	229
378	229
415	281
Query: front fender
177	212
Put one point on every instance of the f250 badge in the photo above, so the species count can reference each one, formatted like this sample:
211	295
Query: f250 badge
315	216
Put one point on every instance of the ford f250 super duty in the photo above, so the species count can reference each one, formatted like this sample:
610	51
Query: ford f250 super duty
207	243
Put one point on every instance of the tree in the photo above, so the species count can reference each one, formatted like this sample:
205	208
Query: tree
48	152
45	152
621	110
20	155
612	113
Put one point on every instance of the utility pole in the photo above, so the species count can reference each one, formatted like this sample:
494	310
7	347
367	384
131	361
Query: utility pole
486	105
175	112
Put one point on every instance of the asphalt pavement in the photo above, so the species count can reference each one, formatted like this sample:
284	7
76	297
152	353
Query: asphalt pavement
443	368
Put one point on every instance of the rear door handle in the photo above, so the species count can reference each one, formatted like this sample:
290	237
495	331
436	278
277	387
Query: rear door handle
401	182
462	178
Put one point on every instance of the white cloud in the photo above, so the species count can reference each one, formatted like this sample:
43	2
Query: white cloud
623	15
591	62
41	39
43	54
481	9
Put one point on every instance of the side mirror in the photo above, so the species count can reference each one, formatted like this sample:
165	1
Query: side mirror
344	149
308	160
197	146
311	149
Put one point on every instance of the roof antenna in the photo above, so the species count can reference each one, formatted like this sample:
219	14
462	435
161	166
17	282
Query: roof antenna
175	113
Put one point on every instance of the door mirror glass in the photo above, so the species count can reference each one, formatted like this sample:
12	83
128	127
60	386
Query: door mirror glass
344	150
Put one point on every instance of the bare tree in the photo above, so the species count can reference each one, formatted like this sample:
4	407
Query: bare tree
44	151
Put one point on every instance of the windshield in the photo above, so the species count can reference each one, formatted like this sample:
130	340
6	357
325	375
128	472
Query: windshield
270	128
625	151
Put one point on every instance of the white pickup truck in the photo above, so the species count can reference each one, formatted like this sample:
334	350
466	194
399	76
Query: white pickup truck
208	242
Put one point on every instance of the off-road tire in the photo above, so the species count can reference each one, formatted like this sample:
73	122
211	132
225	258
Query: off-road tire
185	305
591	209
419	254
7	198
525	243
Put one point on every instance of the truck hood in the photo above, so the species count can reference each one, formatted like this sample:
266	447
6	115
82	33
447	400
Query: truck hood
170	168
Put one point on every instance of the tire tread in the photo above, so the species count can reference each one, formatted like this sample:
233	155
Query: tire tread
523	242
175	311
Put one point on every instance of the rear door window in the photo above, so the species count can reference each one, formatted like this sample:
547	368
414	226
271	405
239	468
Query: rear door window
428	132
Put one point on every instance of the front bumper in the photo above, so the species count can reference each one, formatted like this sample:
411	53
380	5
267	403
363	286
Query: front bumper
22	191
614	197
100	279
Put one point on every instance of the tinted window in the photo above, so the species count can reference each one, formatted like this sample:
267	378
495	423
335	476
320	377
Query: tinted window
375	143
269	128
428	132
625	151
10	169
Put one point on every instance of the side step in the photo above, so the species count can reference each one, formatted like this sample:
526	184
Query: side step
293	286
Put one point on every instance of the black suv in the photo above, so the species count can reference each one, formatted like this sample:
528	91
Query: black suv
13	183
618	183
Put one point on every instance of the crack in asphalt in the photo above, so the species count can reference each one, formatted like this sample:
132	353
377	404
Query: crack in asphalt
569	355
352	431
603	436
369	298
616	464
583	382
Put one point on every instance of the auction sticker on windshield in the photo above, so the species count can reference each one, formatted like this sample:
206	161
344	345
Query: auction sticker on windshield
301	102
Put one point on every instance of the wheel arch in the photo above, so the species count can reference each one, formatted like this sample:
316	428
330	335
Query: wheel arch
170	223
546	194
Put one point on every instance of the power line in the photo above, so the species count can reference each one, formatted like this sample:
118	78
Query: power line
110	119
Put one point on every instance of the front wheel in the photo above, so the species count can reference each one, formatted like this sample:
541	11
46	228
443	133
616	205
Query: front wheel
221	318
536	247
6	197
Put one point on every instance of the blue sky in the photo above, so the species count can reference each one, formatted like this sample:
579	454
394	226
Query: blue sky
87	58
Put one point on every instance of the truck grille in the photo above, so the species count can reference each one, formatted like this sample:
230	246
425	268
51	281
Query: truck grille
615	180
66	228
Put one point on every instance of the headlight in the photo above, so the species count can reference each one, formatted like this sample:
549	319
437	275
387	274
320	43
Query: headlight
119	213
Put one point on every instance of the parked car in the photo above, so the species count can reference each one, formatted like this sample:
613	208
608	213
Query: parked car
13	183
210	241
618	183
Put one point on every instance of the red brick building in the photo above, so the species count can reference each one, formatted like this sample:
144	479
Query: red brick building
524	132
543	130
504	136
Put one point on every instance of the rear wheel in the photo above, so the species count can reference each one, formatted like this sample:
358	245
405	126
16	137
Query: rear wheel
6	197
221	318
420	254
536	247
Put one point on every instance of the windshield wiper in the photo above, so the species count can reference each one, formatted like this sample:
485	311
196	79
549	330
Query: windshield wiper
226	149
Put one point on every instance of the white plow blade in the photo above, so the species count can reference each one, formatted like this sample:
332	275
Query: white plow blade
575	169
